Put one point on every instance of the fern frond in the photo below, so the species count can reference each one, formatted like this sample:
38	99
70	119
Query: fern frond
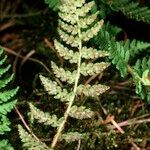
80	112
91	53
4	124
4	145
135	46
7	107
6	96
77	25
54	4
69	39
43	117
142	78
85	22
29	142
63	74
120	57
66	53
134	11
4	70
87	53
3	60
92	90
53	89
93	68
130	9
73	136
4	82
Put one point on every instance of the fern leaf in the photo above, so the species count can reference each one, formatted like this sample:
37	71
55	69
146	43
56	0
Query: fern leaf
80	112
3	60
66	53
4	145
4	124
91	53
6	95
134	11
42	117
4	82
64	75
135	46
73	136
87	35
93	68
53	89
85	22
142	78
4	70
7	107
54	4
29	142
120	57
92	91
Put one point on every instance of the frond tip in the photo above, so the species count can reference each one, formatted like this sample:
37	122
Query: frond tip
43	117
29	142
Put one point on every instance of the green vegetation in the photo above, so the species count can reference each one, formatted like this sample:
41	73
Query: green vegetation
84	75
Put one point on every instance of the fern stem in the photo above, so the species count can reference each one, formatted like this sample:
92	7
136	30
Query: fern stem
66	114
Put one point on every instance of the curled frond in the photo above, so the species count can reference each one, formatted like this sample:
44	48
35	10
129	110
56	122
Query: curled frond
80	112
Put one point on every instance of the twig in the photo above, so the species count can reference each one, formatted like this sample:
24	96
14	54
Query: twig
25	124
31	59
129	122
21	16
79	144
91	78
7	25
135	146
27	57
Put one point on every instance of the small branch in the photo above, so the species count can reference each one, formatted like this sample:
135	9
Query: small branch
91	78
135	146
79	144
21	15
7	25
25	124
129	122
31	59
